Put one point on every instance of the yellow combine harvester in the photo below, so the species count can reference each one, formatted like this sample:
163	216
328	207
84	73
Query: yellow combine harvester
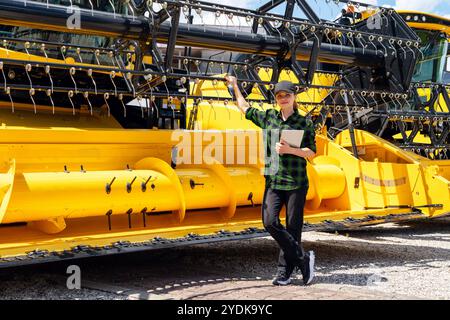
117	135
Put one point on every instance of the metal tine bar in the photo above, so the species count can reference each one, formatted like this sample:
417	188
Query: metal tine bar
259	17
113	73
56	44
77	66
173	94
210	7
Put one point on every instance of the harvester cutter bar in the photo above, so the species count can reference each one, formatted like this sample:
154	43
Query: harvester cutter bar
85	251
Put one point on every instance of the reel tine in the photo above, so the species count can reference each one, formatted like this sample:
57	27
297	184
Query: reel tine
164	7
112	75
8	92
211	103
63	52
32	92
106	97
86	96
139	98
3	72
72	72
153	105
70	95
113	7
130	6
92	7
44	51
123	105
96	55
112	56
90	75
28	69
129	77
49	95
78	51
215	89
48	72
5	45
171	105
27	46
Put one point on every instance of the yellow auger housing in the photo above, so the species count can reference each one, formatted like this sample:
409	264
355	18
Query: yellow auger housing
127	189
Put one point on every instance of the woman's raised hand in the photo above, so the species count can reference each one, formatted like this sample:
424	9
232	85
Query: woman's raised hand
231	80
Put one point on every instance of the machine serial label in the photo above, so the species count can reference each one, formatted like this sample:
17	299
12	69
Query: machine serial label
384	183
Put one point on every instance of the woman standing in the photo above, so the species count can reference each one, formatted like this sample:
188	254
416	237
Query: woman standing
288	185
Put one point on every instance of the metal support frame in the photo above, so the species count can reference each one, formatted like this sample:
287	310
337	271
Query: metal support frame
280	47
172	41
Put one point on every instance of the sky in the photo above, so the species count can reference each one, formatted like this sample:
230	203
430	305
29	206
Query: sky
328	8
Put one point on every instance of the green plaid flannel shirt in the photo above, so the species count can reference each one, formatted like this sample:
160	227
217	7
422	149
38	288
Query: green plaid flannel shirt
291	172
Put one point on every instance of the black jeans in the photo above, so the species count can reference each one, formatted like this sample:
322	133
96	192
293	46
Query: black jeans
289	238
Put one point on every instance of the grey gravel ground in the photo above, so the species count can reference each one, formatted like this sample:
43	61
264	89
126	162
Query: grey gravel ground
32	285
410	260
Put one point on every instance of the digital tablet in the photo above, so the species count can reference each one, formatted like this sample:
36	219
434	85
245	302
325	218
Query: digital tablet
293	137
